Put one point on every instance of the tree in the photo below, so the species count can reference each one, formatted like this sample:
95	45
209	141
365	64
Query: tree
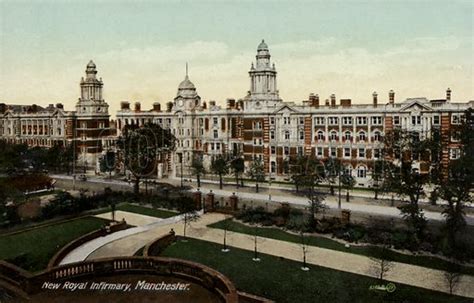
220	166
403	179
225	225
304	247
107	163
377	176
238	167
456	187
310	172
347	182
381	263
452	275
187	209
256	172
140	147
333	172
198	168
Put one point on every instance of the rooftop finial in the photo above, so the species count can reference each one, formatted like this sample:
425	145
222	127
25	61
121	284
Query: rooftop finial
186	69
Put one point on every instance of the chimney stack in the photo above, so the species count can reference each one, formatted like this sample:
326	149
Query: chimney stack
391	96
204	105
448	94
124	105
346	102
169	106
212	103
59	105
374	98
327	102
314	100
230	103
333	100
157	107
137	106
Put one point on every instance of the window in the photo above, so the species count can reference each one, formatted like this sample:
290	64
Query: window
415	120
362	153
361	120
212	146
216	134
347	135
273	166
320	135
215	121
319	121
348	171
362	136
287	150
272	135
347	120
333	136
272	120
361	172
272	150
377	136
456	136
301	120
396	120
333	120
376	120
457	118
257	125
218	146
300	150
455	153
257	141
287	135
347	152
333	151
436	120
286	120
301	135
319	152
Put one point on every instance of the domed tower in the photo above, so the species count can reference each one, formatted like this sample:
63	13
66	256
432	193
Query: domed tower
186	97
263	85
92	118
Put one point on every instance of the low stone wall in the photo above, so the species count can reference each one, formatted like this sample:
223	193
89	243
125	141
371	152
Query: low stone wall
156	247
63	252
203	275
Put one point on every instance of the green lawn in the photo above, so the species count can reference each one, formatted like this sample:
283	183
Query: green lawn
153	212
32	249
282	280
278	234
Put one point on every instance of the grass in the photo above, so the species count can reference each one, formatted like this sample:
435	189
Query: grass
370	251
32	249
282	280
137	209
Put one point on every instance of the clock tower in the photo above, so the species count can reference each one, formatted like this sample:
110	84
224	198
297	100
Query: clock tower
187	98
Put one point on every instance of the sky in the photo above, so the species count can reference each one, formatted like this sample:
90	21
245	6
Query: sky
349	48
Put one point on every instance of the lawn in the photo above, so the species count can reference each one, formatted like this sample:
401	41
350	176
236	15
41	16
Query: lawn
153	212
278	234
32	249
282	280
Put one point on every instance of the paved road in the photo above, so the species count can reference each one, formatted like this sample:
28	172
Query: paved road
277	195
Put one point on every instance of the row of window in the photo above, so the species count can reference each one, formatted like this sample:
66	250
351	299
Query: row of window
347	152
360	120
333	135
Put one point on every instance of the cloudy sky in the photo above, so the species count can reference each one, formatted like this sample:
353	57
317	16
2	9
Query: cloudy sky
350	48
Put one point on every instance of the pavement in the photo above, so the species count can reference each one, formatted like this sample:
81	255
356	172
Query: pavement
127	242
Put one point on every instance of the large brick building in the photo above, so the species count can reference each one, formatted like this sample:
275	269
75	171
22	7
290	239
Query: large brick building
262	125
259	125
86	128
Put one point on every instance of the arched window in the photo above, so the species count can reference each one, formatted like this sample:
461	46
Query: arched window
320	135
347	135
377	136
333	135
287	135
348	170
362	136
361	172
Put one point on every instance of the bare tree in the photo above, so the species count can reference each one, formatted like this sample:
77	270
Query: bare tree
381	263
452	275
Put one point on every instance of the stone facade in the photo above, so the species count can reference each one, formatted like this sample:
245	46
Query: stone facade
264	126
